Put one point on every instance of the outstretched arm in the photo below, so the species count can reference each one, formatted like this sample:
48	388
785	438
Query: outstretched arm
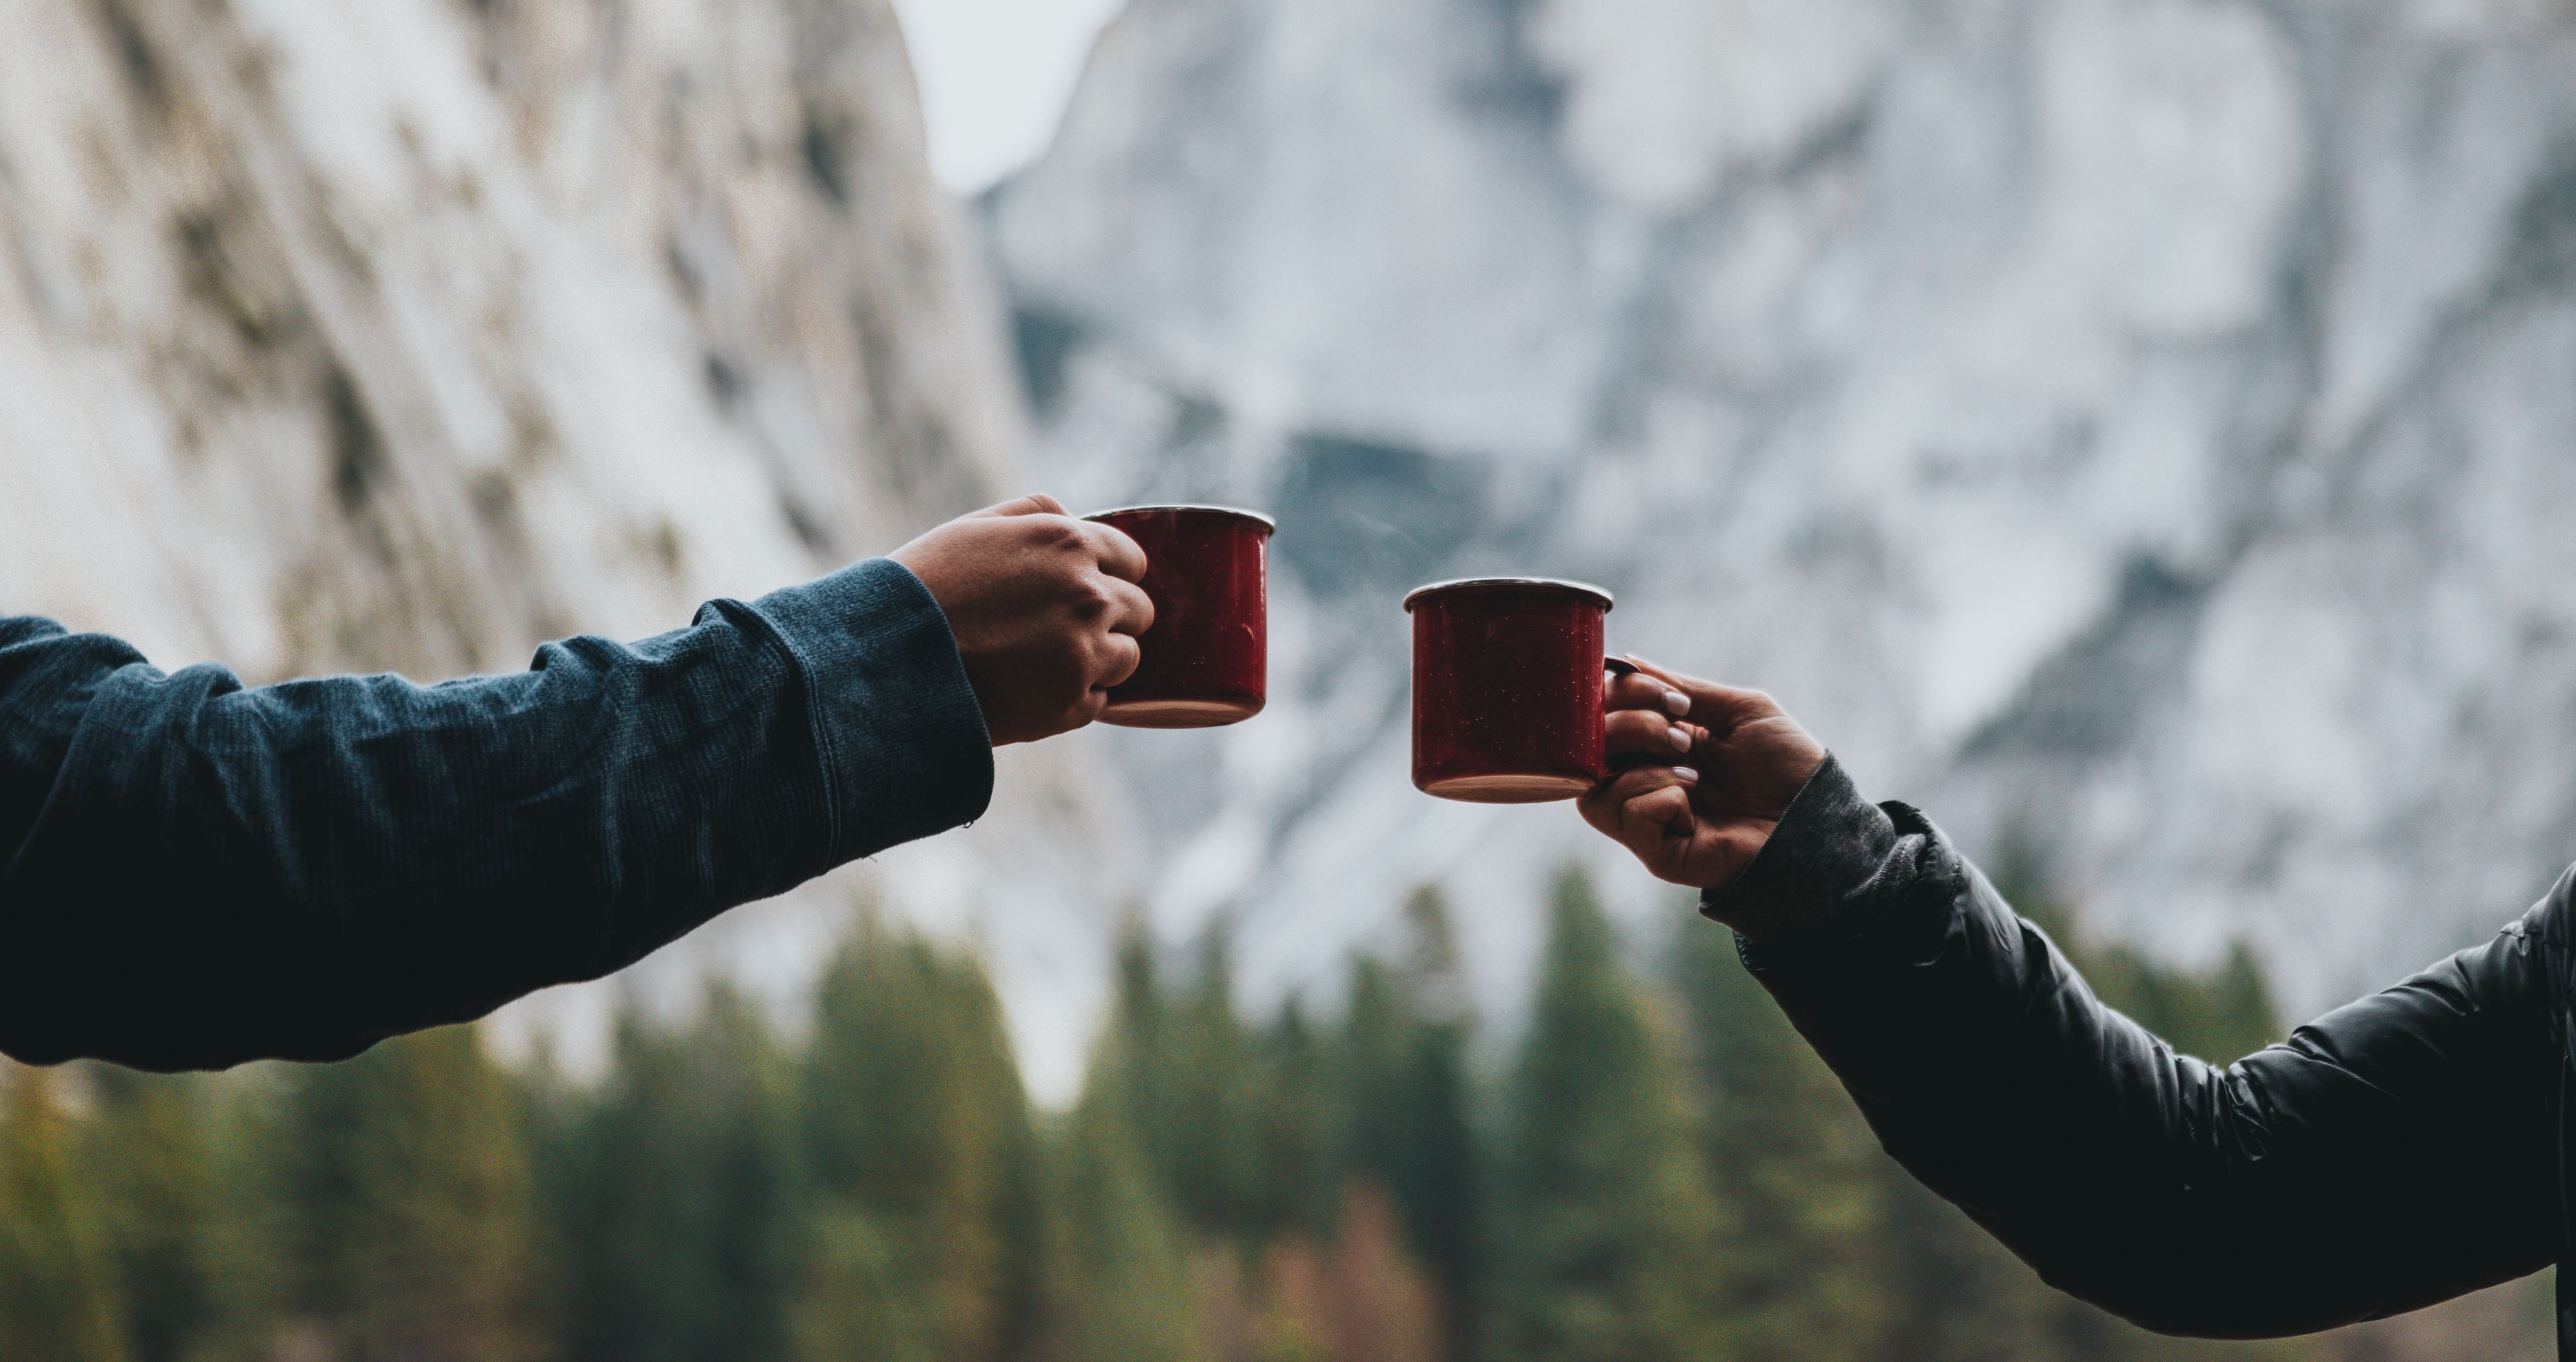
193	874
2393	1153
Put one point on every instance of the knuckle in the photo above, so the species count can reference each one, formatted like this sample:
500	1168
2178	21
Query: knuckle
1090	600
1049	532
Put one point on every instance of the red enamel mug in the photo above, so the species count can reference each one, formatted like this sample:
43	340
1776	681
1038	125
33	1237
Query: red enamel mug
1507	675
1207	657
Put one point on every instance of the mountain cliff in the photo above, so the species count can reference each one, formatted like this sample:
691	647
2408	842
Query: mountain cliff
405	334
2136	430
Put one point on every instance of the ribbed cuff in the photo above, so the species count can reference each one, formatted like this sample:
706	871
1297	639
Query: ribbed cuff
897	729
1829	843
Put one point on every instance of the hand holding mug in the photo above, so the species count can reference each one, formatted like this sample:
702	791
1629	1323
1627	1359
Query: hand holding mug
1046	610
1705	773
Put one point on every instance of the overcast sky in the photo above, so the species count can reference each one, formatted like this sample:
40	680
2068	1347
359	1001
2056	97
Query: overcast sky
995	76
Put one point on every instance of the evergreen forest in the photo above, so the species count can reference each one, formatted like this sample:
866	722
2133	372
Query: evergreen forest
1653	1168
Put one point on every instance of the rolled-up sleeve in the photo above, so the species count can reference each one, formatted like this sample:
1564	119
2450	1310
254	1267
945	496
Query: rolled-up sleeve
194	873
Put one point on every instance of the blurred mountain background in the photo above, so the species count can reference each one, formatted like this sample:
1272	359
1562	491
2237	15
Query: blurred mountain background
2142	424
2137	431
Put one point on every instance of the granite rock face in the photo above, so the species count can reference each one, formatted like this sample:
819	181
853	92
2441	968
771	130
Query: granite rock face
2142	427
405	334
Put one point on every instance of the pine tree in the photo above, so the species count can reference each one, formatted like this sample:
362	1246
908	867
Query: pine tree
1408	1140
2220	1016
1119	1254
147	1155
1293	1320
1380	1048
1361	1297
1950	1292
256	1274
862	1297
1605	1226
1131	1069
680	1211
412	1228
58	1297
1206	1149
1800	1275
918	1138
551	1107
1295	1119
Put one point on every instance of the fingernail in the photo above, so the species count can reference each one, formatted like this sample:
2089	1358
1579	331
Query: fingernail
1686	775
1681	738
1677	702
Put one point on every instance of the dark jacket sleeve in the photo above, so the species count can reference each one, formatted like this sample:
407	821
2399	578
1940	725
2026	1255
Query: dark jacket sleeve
193	874
2393	1153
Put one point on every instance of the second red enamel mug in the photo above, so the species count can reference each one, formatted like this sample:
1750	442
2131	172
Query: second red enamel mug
1507	675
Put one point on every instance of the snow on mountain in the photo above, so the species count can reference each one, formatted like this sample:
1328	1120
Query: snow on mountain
2144	425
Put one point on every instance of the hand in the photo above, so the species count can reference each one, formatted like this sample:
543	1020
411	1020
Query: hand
1045	608
1695	797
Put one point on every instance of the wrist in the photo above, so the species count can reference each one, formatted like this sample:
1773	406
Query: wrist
1761	918
1828	844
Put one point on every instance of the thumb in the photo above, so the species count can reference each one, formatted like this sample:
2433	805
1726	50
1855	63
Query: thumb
1035	503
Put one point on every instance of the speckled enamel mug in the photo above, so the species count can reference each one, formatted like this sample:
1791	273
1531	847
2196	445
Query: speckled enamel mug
1206	660
1507	675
